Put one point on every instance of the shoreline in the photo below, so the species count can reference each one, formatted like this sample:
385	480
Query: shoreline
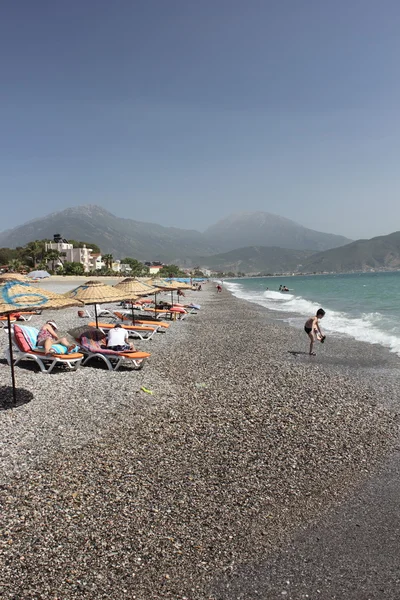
240	446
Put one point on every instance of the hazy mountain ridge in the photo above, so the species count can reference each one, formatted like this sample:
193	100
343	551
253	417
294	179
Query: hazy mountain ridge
382	252
257	259
149	241
118	236
266	229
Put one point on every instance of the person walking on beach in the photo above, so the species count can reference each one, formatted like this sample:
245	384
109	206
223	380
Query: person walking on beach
313	330
219	288
47	336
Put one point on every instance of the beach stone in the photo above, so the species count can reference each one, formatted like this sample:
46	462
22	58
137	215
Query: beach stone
105	488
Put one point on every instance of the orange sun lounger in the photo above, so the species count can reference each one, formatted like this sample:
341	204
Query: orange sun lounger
139	321
142	332
92	348
23	350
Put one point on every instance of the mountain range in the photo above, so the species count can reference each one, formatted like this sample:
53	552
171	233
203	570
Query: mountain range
148	241
382	252
247	242
257	259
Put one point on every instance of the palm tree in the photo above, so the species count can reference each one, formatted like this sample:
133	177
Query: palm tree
52	255
33	251
15	265
108	260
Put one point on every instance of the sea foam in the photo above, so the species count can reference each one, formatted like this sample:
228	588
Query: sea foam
373	328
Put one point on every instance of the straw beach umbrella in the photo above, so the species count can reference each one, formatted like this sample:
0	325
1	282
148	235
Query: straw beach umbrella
13	277
168	286
18	296
133	289
96	292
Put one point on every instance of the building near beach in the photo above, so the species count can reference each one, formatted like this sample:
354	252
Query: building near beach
70	254
154	267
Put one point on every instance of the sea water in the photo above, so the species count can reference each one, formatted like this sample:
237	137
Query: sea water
365	306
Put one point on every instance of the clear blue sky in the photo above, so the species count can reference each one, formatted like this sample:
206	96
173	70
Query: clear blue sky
182	112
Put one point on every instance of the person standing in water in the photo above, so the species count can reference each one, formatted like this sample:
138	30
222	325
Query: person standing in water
313	330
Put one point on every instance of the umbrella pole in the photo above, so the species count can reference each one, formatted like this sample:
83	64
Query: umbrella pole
172	297
155	305
133	313
95	314
11	360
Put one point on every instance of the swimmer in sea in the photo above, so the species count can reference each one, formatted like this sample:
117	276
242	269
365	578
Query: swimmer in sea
313	330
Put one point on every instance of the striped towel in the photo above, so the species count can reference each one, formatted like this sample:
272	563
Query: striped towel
30	334
94	346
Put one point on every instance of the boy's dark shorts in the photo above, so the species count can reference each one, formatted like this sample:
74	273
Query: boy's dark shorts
123	348
307	329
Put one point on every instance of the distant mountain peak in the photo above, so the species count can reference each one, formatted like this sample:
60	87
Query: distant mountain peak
266	229
89	210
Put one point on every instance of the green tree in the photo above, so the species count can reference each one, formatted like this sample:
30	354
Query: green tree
137	268
108	260
76	244
7	254
52	256
73	268
15	265
33	252
171	271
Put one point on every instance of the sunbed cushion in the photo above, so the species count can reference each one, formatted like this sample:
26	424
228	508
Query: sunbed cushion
20	339
61	356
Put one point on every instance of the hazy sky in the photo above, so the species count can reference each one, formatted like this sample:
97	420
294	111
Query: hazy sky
182	112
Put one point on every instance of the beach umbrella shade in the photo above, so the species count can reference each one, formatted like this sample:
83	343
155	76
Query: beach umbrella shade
38	274
159	285
165	286
13	277
96	292
16	296
173	286
133	288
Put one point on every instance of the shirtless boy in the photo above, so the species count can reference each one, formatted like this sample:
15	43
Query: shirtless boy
313	330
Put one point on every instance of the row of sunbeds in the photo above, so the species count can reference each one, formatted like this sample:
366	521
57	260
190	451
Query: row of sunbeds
90	345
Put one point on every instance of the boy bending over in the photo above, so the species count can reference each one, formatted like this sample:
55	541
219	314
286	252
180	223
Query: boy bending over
313	330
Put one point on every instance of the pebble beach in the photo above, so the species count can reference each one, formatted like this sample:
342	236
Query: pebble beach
110	492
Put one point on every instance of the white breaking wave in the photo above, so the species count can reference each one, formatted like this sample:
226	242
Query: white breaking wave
372	328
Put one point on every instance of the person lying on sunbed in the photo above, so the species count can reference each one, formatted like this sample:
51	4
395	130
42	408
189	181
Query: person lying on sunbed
118	340
47	336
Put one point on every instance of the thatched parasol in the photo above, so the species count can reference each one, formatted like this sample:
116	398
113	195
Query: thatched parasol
18	296
133	288
96	292
13	277
164	286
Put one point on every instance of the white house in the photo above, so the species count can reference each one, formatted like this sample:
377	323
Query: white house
97	262
154	269
69	253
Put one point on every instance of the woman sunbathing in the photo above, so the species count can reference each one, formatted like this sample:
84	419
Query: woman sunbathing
47	336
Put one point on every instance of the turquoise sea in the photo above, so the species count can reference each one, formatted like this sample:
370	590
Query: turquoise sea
365	306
